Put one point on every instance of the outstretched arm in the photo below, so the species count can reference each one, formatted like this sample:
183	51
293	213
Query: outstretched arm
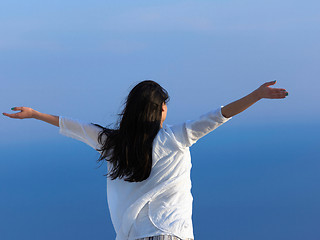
264	91
26	112
82	131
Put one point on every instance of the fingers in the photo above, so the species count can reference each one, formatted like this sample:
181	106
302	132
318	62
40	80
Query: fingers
278	90
279	93
270	83
17	108
13	115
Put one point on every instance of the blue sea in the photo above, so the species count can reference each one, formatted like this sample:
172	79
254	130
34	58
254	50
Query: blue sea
248	183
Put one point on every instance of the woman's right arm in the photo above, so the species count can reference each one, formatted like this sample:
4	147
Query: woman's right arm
26	112
188	133
82	131
264	91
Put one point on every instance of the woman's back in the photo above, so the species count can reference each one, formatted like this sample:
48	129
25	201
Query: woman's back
165	196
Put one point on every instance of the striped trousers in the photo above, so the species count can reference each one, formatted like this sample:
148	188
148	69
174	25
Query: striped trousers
163	237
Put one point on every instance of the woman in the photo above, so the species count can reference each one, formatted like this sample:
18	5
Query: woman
148	180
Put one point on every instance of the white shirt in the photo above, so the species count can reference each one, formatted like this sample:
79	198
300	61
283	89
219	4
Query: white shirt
161	204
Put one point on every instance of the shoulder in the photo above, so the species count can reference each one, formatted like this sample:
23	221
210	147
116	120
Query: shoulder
173	134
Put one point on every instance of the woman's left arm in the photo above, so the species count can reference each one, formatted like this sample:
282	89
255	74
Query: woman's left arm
264	91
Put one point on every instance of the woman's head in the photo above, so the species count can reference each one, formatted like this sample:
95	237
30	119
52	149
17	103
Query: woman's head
131	143
145	105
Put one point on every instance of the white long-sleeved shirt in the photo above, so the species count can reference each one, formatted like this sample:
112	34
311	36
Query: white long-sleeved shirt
161	204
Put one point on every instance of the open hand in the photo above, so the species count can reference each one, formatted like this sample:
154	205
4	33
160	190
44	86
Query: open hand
264	91
25	112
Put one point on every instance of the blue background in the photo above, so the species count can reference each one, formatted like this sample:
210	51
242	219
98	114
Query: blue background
255	177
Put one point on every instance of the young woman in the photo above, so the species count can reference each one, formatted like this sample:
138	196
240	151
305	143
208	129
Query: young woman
148	162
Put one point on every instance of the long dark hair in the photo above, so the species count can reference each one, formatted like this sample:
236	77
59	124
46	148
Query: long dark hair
128	147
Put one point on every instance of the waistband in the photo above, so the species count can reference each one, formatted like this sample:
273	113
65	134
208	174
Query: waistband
164	237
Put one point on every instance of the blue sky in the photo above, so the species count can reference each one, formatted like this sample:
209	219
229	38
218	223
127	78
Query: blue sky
80	59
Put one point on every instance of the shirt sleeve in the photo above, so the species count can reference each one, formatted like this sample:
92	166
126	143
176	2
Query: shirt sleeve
82	131
191	131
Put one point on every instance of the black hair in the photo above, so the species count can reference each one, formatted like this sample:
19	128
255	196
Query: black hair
128	147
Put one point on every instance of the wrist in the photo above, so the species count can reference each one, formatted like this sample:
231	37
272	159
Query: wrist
35	114
256	95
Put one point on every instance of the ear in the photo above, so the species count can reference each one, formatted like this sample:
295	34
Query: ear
163	107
